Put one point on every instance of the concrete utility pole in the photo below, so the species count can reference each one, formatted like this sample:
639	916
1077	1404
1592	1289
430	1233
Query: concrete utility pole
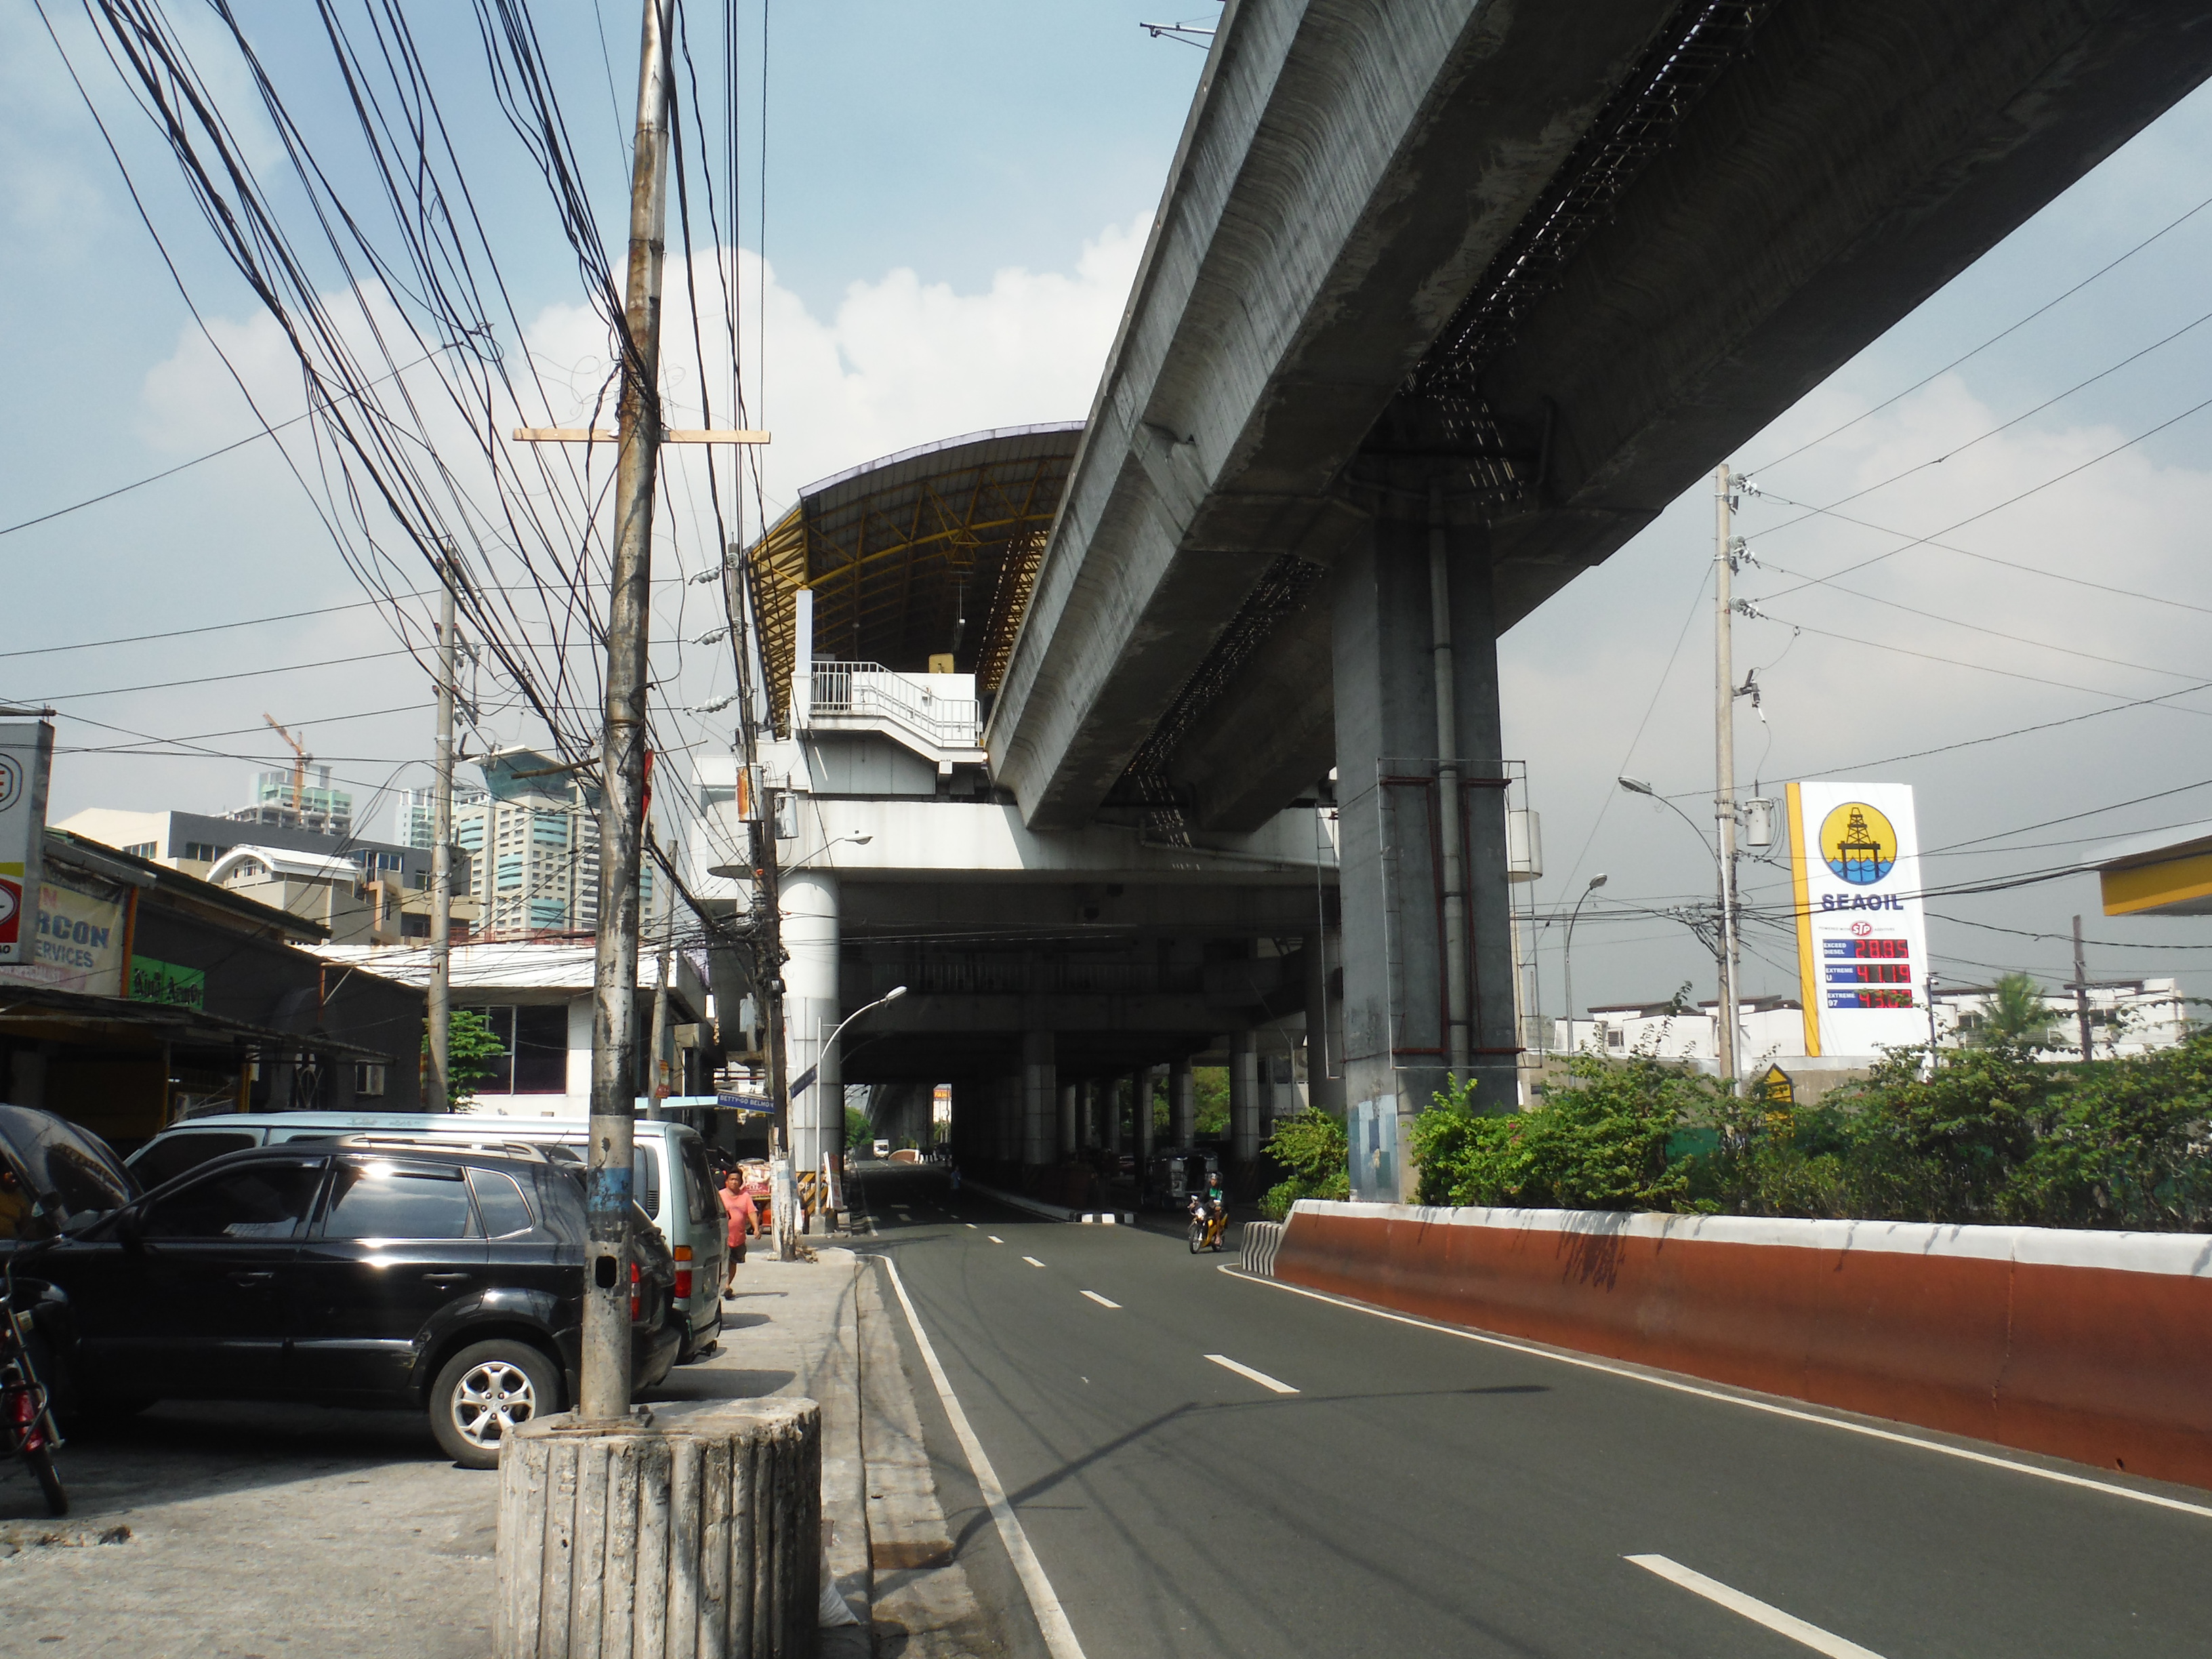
606	1356
437	1093
1724	762
2081	991
660	1090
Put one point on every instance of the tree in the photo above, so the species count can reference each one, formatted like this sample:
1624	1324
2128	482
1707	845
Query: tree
860	1134
473	1053
1314	1147
2017	1017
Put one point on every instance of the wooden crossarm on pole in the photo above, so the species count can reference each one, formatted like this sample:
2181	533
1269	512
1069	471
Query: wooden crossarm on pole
578	434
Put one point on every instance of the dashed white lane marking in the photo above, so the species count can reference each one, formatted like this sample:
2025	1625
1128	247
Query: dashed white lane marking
1261	1377
994	1238
1033	1261
971	1227
1783	1624
1052	1619
1100	1300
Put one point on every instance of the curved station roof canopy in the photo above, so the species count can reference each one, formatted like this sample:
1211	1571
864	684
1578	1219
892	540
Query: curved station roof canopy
929	552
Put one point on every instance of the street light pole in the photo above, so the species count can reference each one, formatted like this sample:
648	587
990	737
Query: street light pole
604	1393
1724	940
813	1080
1595	882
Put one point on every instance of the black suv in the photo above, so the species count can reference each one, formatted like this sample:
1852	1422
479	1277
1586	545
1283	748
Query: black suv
445	1280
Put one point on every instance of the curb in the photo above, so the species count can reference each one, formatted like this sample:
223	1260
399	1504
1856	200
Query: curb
1054	1212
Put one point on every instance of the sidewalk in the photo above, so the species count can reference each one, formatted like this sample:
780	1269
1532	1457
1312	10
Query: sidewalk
260	1530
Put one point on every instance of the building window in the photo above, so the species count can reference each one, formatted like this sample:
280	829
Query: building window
536	1038
367	1080
412	926
202	852
143	850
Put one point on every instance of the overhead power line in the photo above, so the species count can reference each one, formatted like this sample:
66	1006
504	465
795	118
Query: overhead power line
2011	329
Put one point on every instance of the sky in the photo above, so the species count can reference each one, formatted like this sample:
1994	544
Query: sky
939	212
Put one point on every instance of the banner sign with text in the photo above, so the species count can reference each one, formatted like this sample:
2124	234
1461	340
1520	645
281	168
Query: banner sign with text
1862	939
26	757
77	938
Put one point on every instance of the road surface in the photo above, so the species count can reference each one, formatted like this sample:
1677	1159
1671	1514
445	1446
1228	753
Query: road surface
1422	1494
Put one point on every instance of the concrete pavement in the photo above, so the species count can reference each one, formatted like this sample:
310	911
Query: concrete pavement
1422	1493
258	1531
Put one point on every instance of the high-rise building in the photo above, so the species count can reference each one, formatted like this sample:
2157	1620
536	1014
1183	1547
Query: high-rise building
418	823
531	838
283	800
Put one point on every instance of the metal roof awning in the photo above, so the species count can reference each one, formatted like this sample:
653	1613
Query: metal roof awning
930	550
38	1004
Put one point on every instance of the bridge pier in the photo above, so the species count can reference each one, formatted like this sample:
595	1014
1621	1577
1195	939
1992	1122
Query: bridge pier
1182	1103
1404	956
1244	1098
811	1012
1040	1098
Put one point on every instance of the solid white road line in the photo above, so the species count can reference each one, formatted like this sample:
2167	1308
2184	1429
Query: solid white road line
1033	1261
1752	1607
1261	1377
1100	1300
2155	1499
1058	1634
994	1238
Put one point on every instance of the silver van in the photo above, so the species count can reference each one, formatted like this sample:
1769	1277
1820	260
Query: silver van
674	1183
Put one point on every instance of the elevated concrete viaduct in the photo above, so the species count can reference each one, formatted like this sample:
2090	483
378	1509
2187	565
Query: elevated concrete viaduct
1444	301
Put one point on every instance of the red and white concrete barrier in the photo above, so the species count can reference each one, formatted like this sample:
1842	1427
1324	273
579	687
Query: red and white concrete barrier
2091	1345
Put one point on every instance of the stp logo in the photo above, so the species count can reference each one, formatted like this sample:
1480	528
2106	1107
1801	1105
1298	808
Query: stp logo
1861	929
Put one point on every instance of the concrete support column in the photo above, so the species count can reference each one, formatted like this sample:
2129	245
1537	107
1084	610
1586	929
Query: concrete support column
1182	1103
1086	1114
1007	1094
1040	1097
1324	954
1243	1096
1112	1140
1395	978
1065	1142
1140	1111
811	1013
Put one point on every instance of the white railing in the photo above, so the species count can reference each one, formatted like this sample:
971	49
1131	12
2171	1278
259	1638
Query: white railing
870	691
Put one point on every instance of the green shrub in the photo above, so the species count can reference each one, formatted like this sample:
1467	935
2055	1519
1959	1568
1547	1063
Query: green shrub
1601	1143
1314	1147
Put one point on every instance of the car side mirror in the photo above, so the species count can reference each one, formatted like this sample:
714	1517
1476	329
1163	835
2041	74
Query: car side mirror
130	1229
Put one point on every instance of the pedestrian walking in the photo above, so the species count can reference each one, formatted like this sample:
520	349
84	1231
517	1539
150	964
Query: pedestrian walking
744	1220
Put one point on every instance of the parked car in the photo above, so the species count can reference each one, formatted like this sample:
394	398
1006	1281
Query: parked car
447	1280
674	1183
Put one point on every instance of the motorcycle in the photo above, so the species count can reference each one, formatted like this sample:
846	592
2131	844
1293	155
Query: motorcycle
1208	1222
27	1411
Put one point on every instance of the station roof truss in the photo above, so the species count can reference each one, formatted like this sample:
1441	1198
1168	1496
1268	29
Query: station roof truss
931	551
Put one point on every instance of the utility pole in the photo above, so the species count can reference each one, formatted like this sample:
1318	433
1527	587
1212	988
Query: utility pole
660	1090
2082	992
1724	761
437	1095
605	1395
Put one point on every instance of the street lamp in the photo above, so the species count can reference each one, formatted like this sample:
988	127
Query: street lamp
823	1108
741	872
1595	882
1724	1025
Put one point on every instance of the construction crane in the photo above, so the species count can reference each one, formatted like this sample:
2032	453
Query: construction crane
300	758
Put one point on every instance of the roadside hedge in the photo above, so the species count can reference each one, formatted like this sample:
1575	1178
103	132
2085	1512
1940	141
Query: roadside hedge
1994	1136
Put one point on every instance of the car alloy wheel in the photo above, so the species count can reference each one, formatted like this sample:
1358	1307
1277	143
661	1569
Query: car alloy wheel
493	1396
485	1392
